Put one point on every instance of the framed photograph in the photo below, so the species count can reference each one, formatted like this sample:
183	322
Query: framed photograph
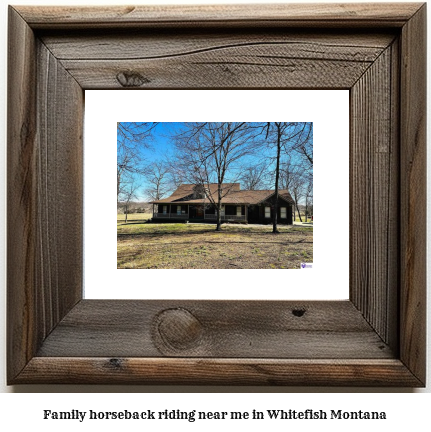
375	337
145	250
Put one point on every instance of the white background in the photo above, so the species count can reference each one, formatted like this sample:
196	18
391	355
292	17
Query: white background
25	410
329	112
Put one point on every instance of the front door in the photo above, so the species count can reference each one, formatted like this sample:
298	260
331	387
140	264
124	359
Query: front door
196	212
200	211
253	214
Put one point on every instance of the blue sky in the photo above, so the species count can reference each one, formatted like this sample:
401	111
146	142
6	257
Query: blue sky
161	148
162	145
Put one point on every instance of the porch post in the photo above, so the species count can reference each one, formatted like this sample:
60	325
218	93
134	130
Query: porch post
170	208
246	212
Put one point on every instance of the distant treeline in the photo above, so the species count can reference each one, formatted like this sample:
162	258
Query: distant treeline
134	207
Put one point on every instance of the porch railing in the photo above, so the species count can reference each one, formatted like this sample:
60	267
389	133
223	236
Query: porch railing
207	216
225	217
171	215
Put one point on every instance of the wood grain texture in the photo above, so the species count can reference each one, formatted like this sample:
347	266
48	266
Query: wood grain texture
392	304
206	60
413	194
300	14
241	329
59	244
217	371
146	45
374	195
209	59
45	105
21	194
53	336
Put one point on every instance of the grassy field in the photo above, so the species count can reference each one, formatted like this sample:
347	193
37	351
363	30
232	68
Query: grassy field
134	217
180	246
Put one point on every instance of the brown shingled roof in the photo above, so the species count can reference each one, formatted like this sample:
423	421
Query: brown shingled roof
235	196
181	192
254	196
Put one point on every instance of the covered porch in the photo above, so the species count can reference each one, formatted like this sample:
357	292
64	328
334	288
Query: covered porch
171	211
203	212
229	213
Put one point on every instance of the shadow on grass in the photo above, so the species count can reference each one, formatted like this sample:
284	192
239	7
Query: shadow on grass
218	238
133	222
254	236
160	233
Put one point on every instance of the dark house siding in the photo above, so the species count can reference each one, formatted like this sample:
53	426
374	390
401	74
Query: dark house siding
210	210
255	212
230	210
271	204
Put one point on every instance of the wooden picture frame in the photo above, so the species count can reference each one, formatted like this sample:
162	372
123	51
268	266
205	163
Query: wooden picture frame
376	338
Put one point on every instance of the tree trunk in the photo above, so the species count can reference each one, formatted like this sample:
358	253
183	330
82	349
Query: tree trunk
299	213
218	209
277	176
218	227
126	211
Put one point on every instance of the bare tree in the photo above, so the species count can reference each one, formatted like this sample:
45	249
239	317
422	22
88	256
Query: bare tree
254	177
297	192
303	144
132	139
128	194
280	136
295	178
209	153
309	198
157	180
177	174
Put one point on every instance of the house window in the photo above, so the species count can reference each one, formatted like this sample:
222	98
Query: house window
238	210
178	210
267	212
283	212
165	209
222	210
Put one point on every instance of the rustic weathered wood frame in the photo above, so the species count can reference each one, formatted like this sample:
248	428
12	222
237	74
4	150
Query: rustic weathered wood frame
377	338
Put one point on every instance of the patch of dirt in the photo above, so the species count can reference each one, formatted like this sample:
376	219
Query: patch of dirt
188	246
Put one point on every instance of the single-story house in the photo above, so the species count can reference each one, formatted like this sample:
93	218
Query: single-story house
191	203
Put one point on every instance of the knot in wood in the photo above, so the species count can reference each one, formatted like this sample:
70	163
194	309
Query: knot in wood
298	312
178	328
115	363
131	79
